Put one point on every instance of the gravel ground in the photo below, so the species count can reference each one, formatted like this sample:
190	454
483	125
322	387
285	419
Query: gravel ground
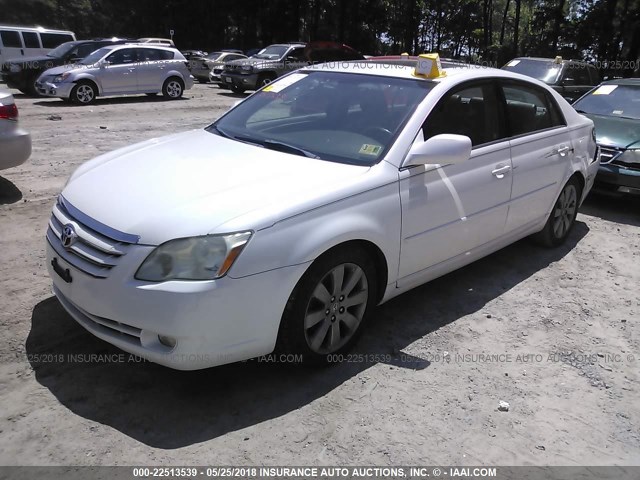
552	332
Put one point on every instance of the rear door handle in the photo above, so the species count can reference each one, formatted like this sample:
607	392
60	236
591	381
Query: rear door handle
501	171
562	151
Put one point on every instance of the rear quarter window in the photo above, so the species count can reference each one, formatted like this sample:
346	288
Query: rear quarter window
52	40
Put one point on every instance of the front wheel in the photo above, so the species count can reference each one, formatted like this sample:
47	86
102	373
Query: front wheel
562	217
83	93
328	308
172	88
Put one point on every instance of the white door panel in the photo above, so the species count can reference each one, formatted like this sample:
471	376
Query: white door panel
539	162
447	211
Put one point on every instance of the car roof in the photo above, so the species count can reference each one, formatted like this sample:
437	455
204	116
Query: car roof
624	81
455	72
140	45
551	60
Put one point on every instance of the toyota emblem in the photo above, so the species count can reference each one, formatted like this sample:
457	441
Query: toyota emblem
69	236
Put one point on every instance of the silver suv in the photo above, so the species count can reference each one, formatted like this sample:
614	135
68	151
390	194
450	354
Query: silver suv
119	70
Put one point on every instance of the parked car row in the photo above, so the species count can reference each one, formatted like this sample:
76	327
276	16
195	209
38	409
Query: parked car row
614	107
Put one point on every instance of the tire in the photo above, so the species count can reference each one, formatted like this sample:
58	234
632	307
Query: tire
327	310
265	79
173	88
31	86
84	93
562	216
235	89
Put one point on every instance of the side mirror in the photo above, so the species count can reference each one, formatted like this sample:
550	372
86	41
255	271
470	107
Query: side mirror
442	149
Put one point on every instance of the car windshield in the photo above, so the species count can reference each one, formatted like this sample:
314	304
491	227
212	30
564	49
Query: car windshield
94	57
61	50
271	52
546	71
339	117
612	100
214	55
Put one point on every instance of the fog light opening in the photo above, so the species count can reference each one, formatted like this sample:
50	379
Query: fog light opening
169	342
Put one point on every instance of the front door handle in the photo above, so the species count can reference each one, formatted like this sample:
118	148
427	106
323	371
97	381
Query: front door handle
500	172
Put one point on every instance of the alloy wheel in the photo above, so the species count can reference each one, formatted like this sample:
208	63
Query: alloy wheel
336	308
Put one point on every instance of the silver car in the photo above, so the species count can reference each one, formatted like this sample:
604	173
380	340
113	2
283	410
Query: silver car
119	70
15	144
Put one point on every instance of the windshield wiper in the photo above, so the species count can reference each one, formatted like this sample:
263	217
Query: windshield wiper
285	147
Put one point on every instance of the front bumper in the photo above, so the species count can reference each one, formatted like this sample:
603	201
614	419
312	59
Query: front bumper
50	89
247	82
614	177
15	148
213	322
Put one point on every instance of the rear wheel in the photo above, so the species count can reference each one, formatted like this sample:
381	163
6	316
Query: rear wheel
84	93
328	308
173	88
562	217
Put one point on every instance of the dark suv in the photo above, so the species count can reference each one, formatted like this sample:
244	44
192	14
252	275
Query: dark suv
22	73
570	78
270	63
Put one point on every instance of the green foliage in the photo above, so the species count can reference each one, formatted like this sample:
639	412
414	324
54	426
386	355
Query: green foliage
497	30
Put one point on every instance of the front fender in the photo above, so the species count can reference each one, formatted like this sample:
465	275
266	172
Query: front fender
373	216
88	76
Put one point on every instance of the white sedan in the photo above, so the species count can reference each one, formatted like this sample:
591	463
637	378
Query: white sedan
283	224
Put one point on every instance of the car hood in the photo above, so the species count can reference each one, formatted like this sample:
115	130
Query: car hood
616	131
62	69
196	183
255	61
43	59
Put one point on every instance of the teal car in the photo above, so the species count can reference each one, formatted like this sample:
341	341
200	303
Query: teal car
614	107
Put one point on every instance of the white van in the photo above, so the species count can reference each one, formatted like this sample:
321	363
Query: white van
16	42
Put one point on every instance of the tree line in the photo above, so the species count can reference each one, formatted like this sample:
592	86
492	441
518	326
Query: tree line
601	31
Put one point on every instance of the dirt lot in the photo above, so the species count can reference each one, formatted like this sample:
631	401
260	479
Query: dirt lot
553	332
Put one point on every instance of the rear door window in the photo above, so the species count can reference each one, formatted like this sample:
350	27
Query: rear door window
530	109
10	39
31	40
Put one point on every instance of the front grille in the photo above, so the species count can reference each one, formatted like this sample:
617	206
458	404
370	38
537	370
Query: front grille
98	248
217	71
609	154
630	166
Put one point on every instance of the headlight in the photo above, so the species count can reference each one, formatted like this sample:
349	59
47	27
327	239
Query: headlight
60	78
14	67
247	68
196	258
630	156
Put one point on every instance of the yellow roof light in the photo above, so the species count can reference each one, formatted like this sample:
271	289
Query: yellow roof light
429	66
405	54
558	59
